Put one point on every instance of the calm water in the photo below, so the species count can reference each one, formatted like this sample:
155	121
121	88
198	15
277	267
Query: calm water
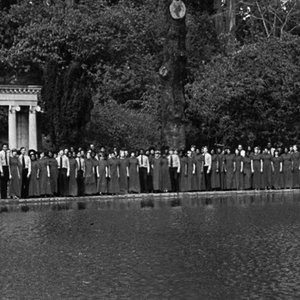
235	248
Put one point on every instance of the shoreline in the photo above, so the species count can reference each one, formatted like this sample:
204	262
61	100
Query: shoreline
158	200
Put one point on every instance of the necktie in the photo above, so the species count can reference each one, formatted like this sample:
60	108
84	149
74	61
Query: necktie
171	157
23	162
6	160
79	163
142	162
61	162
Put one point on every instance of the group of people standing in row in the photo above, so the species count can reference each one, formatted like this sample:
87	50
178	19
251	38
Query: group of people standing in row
78	173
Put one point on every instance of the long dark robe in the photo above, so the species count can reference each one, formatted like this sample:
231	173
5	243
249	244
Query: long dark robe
238	175
277	176
267	170
183	176
134	179
44	180
228	168
16	178
53	165
123	175
102	180
247	180
73	188
90	181
191	178
257	181
220	158
113	185
34	185
156	174
287	170
296	172
215	169
199	161
165	181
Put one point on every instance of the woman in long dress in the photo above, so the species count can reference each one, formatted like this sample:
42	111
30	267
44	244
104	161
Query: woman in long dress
124	173
103	174
229	170
165	181
183	176
73	187
257	169
267	171
277	171
34	185
247	175
296	165
287	169
53	166
199	161
215	171
238	170
114	175
90	182
134	179
191	172
15	175
156	172
44	175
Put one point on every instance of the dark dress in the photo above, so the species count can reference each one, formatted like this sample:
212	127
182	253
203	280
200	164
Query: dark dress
287	170
247	180
267	170
228	169
296	172
123	175
165	181
183	176
215	169
238	175
102	180
73	188
199	161
113	185
53	165
34	185
156	174
44	180
277	175
134	179
220	158
257	184
90	181
191	178
16	178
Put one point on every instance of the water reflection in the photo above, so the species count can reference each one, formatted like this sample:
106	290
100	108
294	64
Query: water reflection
238	247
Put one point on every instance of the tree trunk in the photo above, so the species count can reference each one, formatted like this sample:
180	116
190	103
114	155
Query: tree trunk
173	74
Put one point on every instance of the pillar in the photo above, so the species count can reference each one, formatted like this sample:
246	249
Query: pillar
32	128
12	127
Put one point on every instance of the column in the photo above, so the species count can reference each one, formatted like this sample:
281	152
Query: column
32	128
12	127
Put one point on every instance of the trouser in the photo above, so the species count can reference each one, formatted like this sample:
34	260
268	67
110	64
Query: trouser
62	182
174	179
143	180
80	183
207	178
4	181
25	184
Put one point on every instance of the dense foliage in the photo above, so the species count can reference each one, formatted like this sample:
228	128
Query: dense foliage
98	62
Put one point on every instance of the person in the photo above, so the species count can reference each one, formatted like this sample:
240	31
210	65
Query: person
247	183
4	170
44	175
183	176
144	170
215	170
220	159
229	170
296	165
267	169
34	185
63	173
90	181
150	175
191	172
96	171
199	161
238	170
276	163
103	174
257	168
15	175
124	173
207	168
25	162
114	174
165	181
156	171
174	169
287	169
73	187
80	173
53	166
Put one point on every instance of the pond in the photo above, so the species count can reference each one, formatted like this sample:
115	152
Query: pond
237	247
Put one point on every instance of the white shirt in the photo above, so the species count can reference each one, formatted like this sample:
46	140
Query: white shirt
82	162
65	163
4	159
144	161
27	161
207	160
174	161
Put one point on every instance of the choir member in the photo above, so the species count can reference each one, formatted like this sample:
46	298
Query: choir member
296	165
34	186
215	170
276	163
80	173
287	169
238	170
53	166
199	161
90	180
63	173
73	187
267	169
257	168
15	175
124	173
114	174
25	162
156	171
44	175
165	181
174	169
191	172
103	174
207	168
144	170
247	178
220	158
183	178
4	170
229	169
150	175
134	180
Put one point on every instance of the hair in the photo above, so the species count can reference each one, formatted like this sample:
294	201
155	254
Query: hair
4	144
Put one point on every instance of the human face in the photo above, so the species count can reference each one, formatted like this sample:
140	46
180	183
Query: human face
4	147
23	151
